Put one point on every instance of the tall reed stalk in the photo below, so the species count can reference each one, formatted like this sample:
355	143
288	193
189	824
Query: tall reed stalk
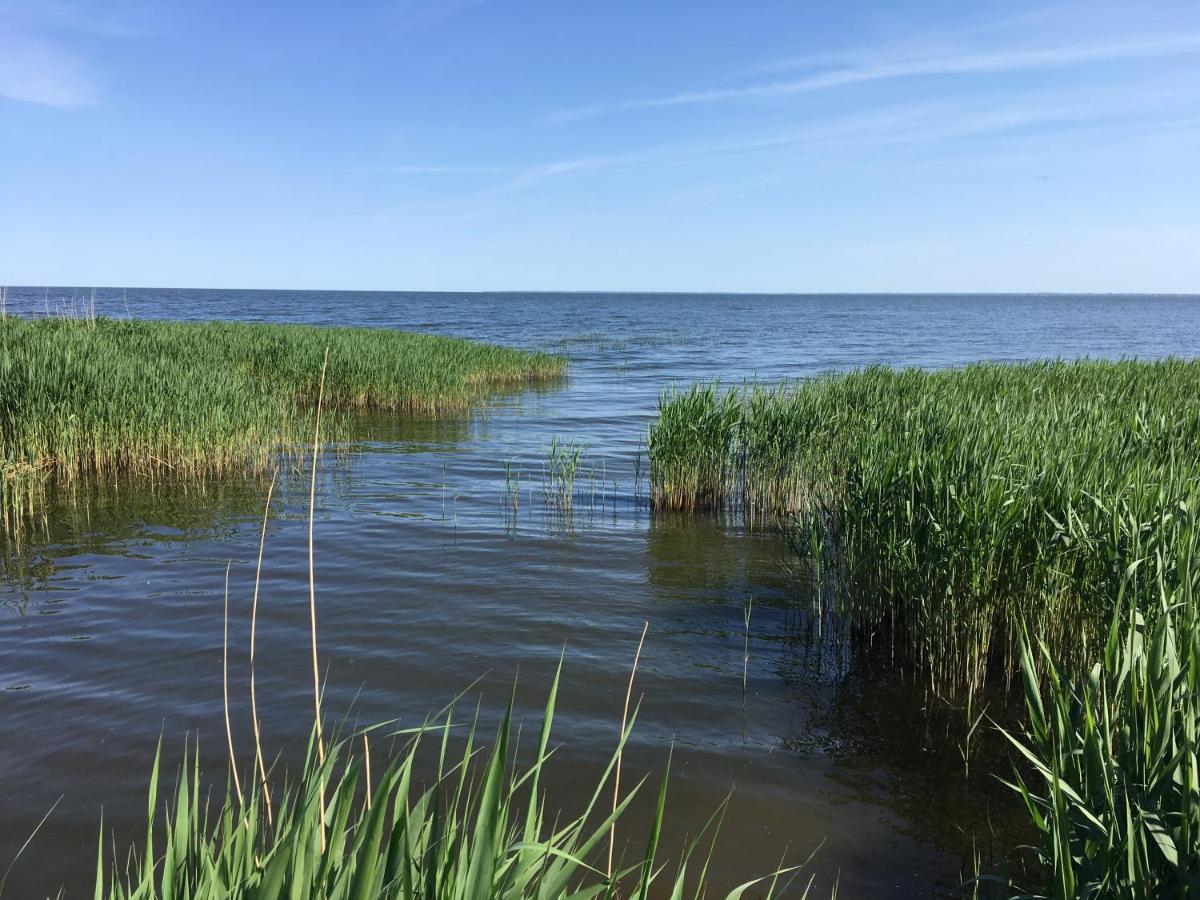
1039	519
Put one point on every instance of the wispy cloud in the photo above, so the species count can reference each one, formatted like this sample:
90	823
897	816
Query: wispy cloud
436	169
518	177
857	72
943	127
412	14
100	18
35	71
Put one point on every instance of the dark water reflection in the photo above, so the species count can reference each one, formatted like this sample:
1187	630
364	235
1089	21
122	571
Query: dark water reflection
430	576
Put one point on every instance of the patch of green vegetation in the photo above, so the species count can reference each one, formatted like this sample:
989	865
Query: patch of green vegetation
480	827
1039	519
98	396
1108	765
952	508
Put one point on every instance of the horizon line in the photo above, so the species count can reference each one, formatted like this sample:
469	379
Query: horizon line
609	292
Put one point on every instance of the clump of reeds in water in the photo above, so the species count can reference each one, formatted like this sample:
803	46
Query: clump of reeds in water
1038	518
949	508
693	448
100	396
563	464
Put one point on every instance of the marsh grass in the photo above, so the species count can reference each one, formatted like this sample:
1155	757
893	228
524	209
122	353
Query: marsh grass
84	396
480	827
1109	772
1037	520
945	510
563	464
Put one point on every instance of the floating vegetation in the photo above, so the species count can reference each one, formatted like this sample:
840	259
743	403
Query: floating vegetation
82	396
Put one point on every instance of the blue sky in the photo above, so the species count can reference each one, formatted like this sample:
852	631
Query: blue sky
484	144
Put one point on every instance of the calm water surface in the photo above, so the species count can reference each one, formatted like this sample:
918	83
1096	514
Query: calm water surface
110	622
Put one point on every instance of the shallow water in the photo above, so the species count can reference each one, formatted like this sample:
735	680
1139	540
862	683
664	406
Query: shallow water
427	578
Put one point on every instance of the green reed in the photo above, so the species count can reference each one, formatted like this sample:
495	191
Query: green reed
98	396
951	507
481	826
693	448
1109	772
1040	518
560	470
512	485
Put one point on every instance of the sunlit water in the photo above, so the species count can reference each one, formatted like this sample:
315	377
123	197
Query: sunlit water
428	578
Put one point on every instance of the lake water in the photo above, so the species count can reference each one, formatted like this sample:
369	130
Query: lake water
110	621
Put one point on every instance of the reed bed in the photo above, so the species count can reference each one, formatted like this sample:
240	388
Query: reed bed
99	396
947	509
1038	519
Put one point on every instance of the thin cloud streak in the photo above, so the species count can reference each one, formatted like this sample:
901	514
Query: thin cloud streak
415	14
958	64
34	71
119	19
903	125
779	158
436	169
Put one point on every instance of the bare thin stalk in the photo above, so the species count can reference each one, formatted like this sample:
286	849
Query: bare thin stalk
312	589
367	758
612	833
225	683
258	754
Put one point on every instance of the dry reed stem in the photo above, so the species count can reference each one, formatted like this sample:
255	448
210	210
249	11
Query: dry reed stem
258	754
367	758
225	684
312	590
612	834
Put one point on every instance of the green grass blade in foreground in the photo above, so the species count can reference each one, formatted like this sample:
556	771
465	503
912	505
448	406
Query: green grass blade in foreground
1117	804
458	837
